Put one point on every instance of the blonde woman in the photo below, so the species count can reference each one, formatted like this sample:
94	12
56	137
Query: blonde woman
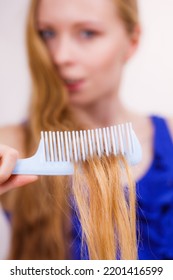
77	52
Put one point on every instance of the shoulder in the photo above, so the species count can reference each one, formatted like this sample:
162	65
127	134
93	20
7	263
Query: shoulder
170	126
13	136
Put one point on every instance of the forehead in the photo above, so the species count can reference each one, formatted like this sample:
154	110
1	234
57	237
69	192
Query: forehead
75	10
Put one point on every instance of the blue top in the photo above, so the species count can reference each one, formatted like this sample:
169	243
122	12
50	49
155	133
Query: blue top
154	202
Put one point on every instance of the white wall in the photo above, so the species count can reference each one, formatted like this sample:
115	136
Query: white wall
148	81
14	77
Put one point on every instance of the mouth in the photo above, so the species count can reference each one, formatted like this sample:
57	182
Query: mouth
73	84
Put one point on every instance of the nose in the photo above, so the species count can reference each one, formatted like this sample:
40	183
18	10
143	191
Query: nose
64	52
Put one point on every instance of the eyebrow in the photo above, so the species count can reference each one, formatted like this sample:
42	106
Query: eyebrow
79	23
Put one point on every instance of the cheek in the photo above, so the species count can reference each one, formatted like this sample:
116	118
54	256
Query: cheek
108	60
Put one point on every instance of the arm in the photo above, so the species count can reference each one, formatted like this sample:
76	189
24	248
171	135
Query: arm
11	148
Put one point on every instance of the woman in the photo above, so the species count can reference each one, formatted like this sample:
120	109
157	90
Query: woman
83	46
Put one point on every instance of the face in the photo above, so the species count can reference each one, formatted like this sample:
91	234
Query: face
88	45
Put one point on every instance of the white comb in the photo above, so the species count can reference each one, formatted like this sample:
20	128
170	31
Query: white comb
58	151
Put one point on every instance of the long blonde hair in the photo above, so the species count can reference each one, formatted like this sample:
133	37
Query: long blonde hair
106	209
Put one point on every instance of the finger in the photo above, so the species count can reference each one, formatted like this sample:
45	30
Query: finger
8	162
17	181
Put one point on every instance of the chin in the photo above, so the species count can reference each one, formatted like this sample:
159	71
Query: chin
79	102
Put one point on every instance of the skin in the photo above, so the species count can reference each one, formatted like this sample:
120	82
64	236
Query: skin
12	148
87	41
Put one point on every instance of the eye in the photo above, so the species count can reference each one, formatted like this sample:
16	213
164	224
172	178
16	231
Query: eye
87	34
47	34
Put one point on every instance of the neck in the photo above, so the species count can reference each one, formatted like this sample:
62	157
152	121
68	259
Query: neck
103	113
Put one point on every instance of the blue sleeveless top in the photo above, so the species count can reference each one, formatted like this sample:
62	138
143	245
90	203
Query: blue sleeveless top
154	203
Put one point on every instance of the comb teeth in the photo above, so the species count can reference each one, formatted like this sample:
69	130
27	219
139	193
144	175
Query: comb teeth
57	151
78	145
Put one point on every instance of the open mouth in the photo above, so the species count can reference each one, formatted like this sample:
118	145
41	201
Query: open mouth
73	84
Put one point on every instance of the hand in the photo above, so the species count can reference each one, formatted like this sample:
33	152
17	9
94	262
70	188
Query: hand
8	158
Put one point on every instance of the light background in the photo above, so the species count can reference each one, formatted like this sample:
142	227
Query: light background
148	82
